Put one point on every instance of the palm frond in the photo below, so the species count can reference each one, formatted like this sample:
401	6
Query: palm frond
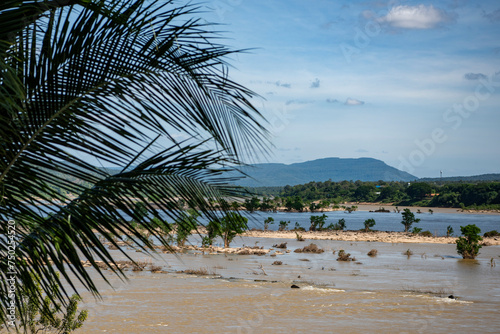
115	81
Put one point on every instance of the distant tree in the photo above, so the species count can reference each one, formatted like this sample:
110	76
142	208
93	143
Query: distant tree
317	222
283	225
267	204
230	226
369	223
252	204
449	231
294	203
350	209
186	222
161	224
408	219
213	230
223	204
418	191
235	206
340	226
468	244
325	203
267	221
364	192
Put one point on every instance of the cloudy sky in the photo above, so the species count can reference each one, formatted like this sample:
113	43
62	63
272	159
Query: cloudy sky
413	83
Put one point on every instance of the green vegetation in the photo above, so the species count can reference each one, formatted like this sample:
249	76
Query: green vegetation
283	225
408	219
185	223
491	234
317	195
340	226
426	234
468	244
317	222
267	222
369	223
230	226
416	230
114	81
46	315
449	231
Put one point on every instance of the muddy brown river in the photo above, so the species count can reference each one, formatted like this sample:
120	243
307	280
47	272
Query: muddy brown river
388	293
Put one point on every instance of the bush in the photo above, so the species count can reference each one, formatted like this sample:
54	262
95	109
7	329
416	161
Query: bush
449	231
426	234
299	237
44	316
343	256
283	225
312	248
468	244
340	226
416	230
491	234
282	245
373	252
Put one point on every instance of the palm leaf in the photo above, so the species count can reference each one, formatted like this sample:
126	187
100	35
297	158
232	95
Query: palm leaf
114	81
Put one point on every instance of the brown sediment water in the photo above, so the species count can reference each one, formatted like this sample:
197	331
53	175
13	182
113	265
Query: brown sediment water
388	293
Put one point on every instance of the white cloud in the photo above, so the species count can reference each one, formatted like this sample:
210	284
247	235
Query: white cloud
414	17
353	102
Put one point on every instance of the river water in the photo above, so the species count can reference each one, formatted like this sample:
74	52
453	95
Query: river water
388	293
390	221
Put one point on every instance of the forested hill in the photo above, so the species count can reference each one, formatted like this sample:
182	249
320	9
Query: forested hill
334	169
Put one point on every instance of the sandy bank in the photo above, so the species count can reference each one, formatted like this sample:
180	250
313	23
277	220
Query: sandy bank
375	236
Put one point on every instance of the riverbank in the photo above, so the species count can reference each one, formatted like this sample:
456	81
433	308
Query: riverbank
373	207
373	236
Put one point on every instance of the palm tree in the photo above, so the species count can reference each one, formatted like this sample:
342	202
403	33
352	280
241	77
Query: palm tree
136	84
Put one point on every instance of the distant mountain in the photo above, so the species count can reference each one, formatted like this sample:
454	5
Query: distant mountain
474	178
335	169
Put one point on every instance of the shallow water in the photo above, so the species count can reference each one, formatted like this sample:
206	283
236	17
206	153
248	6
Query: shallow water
387	293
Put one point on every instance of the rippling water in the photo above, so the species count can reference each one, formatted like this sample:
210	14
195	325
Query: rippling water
387	293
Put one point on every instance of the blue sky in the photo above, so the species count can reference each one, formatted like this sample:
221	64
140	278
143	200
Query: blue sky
413	83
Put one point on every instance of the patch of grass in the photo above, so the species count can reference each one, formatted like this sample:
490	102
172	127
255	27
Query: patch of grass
282	245
299	237
198	272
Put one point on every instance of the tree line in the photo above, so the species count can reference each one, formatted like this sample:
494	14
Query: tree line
315	195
